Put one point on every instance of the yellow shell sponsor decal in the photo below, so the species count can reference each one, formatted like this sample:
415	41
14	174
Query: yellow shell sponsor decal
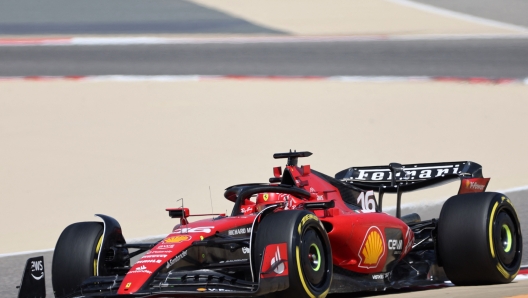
372	248
266	197
177	239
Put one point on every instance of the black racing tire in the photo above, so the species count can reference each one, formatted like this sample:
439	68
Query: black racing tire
75	256
479	239
309	251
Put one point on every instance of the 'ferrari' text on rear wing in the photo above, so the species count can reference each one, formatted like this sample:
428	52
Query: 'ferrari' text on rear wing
410	172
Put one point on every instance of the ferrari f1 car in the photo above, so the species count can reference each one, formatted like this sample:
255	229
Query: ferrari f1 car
305	234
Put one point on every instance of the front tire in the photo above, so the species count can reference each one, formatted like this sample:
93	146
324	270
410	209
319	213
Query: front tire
479	239
75	256
309	251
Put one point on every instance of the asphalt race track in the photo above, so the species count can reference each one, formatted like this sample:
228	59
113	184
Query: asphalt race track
477	57
63	17
509	11
466	58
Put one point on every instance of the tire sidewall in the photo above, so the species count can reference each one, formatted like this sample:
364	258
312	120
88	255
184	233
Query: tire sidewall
466	239
289	227
309	221
500	203
74	257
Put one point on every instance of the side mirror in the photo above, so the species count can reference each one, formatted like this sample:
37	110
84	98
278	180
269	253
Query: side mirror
178	212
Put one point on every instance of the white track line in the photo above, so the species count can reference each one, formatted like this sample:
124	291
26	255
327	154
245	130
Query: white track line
25	252
515	189
83	41
460	16
155	237
440	37
121	41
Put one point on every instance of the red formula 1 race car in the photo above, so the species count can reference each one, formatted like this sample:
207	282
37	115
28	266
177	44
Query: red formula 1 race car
304	234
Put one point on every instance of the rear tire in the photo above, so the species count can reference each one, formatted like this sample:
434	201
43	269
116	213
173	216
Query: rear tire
309	251
75	256
479	239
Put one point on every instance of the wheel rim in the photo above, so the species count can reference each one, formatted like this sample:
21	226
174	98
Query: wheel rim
506	238
314	257
312	260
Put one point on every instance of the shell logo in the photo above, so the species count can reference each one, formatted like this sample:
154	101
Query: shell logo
372	248
177	239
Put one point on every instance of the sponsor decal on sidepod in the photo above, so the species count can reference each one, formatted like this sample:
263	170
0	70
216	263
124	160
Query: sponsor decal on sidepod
394	244
372	248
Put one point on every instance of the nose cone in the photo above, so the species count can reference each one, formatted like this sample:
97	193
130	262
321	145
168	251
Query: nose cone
152	261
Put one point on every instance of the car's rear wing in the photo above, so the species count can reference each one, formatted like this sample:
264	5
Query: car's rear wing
397	178
410	176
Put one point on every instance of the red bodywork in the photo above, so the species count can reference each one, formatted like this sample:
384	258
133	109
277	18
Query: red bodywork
362	240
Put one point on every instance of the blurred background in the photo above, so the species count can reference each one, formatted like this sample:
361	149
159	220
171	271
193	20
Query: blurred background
122	107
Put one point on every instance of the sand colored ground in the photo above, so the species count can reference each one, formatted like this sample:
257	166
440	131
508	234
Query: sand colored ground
344	17
69	150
